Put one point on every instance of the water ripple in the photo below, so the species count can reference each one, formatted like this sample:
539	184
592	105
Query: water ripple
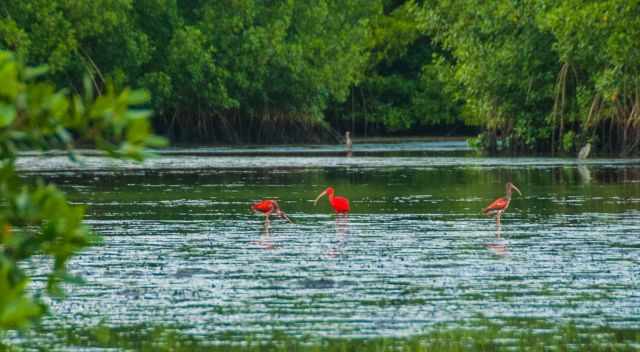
183	249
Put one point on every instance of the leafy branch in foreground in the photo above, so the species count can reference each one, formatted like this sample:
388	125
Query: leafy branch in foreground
37	219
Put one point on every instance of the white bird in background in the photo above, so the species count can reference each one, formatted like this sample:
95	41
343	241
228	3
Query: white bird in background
347	140
584	151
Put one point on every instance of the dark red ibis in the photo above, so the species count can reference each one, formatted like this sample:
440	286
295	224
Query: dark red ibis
267	207
500	205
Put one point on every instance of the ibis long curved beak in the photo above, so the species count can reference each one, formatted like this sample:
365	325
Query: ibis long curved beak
516	188
315	202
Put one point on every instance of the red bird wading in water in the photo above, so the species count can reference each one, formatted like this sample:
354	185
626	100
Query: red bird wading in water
268	206
501	204
338	203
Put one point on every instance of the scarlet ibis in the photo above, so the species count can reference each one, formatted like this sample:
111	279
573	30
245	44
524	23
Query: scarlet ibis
500	205
268	206
339	204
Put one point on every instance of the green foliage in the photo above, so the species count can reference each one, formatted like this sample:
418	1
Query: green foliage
525	72
75	36
599	88
504	66
37	219
543	75
568	141
214	68
402	89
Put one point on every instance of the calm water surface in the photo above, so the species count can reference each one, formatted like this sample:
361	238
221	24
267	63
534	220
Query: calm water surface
182	249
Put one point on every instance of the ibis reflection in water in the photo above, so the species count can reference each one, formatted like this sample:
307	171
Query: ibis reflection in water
265	237
498	247
342	235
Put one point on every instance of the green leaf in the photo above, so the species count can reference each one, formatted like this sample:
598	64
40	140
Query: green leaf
137	97
138	114
156	141
64	135
8	78
45	223
33	72
7	114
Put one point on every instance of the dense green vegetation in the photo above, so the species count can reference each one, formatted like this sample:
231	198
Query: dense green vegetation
544	75
533	76
36	218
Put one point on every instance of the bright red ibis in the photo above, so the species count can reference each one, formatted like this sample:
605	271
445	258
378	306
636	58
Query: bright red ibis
338	203
268	206
501	204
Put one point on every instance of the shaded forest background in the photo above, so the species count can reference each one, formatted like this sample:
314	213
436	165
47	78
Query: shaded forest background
527	75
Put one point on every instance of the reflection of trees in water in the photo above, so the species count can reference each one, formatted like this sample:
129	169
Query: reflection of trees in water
560	175
583	174
617	175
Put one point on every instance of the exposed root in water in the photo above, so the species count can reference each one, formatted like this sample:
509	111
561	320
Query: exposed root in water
235	127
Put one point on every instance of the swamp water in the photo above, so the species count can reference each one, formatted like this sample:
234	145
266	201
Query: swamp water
181	249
